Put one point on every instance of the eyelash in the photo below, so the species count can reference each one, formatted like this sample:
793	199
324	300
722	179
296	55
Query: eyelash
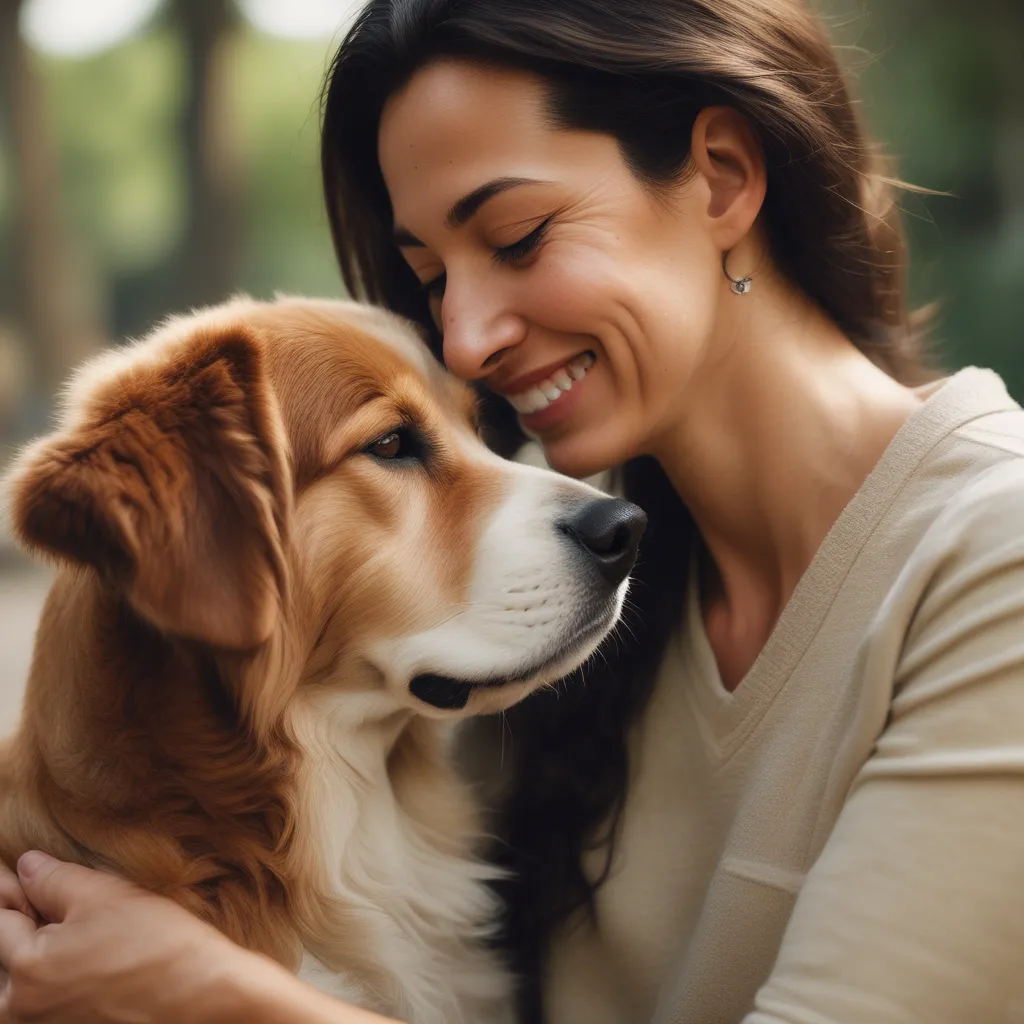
513	253
520	250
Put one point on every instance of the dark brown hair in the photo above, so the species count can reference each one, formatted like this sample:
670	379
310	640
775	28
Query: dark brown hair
639	72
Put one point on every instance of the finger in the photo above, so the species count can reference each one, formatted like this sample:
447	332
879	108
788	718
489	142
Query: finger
54	887
6	1013
16	932
12	896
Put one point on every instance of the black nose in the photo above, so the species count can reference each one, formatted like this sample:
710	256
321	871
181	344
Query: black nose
609	531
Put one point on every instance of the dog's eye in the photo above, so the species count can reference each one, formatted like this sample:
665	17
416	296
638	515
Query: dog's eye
387	447
396	444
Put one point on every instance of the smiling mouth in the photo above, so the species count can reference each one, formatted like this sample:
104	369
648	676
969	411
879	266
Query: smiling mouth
537	397
451	694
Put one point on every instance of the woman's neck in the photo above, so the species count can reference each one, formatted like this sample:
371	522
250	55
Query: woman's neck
778	429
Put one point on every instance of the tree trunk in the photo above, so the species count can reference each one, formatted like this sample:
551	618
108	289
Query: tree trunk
211	246
45	296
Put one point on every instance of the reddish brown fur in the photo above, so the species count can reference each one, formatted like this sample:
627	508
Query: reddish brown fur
219	547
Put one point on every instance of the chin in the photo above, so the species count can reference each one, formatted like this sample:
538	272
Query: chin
582	454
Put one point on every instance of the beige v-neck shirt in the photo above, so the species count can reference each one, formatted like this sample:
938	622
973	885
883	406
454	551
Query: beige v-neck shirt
840	840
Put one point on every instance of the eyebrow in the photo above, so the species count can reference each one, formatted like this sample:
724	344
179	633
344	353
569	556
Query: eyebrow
464	208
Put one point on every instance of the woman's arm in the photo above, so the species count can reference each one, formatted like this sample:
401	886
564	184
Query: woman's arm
111	951
914	910
272	995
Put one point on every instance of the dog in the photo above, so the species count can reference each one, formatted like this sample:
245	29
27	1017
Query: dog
286	566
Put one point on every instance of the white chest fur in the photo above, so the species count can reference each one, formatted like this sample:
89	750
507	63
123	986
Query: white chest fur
397	873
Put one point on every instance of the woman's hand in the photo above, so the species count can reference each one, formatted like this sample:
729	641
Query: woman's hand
110	952
107	951
12	896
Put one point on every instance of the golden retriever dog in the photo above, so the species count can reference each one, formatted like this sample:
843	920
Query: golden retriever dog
287	565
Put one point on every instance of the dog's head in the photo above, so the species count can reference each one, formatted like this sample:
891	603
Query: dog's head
301	475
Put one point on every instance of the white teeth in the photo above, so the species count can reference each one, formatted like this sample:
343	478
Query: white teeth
543	393
535	399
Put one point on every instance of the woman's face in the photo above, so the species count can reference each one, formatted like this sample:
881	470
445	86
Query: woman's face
584	297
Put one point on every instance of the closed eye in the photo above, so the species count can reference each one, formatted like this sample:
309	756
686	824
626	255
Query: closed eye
527	244
512	253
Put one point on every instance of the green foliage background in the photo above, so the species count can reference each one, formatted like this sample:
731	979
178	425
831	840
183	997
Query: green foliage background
942	81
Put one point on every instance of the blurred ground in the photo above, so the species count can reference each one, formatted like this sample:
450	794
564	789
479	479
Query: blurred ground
22	591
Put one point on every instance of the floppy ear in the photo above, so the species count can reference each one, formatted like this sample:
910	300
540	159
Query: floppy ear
171	482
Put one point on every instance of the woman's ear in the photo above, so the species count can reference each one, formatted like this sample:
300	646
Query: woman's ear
728	155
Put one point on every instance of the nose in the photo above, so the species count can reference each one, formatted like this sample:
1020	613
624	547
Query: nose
477	332
608	530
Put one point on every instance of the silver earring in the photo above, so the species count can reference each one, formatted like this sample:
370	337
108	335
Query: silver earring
740	285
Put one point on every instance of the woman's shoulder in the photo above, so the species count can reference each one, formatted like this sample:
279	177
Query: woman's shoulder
966	488
973	544
957	699
966	578
954	540
986	512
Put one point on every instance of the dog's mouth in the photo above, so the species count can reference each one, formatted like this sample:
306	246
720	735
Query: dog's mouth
451	694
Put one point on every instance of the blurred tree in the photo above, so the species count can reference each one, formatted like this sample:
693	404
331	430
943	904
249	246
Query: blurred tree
288	246
944	87
188	168
47	301
210	251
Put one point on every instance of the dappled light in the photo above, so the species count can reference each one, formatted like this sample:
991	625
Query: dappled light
299	19
70	28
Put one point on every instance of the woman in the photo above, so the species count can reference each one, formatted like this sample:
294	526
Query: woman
794	790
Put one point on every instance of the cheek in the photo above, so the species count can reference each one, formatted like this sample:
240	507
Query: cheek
651	311
573	290
356	542
386	557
